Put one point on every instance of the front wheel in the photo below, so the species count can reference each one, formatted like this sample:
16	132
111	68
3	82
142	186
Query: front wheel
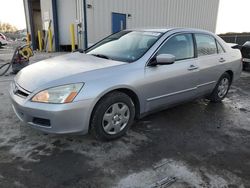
112	116
221	89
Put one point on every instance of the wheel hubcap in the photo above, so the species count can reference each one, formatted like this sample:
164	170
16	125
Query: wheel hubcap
115	118
223	87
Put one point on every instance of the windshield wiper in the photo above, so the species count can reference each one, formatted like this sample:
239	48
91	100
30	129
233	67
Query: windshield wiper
79	50
101	56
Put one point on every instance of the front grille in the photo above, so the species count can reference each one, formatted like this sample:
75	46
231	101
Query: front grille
18	90
41	122
21	93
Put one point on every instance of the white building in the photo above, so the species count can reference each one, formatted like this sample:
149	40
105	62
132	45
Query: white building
95	19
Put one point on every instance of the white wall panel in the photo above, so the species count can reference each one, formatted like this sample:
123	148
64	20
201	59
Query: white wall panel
151	13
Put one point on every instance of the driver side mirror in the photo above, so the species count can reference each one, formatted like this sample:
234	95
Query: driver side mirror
165	59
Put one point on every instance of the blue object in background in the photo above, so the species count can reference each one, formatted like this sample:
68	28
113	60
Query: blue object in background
118	22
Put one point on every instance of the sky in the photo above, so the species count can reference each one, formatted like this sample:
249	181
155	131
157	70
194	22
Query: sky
12	11
233	15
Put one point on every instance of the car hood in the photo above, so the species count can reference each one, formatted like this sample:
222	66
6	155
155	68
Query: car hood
38	74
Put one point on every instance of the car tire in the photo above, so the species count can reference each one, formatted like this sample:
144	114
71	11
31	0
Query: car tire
221	89
112	116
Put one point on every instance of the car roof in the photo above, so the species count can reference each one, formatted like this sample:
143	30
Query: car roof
164	30
159	30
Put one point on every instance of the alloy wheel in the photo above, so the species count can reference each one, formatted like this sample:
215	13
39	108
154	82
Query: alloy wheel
223	87
116	118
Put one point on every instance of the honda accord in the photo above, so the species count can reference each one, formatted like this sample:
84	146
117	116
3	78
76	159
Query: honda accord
124	77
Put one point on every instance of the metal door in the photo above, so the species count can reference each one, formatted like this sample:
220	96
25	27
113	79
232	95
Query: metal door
118	22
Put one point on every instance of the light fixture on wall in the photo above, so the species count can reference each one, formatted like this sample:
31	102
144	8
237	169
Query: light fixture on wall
89	6
129	16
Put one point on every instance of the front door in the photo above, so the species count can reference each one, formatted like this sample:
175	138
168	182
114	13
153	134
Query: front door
177	82
118	22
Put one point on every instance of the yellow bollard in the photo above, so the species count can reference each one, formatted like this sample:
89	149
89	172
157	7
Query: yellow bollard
39	40
28	38
72	32
50	40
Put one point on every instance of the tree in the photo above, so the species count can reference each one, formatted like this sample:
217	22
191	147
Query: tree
7	27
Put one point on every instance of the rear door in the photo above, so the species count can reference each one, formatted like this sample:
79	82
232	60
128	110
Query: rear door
211	58
177	82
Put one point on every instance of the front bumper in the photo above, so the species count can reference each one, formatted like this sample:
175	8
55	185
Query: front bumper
53	118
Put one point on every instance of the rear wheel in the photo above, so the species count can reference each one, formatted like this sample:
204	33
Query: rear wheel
112	116
221	89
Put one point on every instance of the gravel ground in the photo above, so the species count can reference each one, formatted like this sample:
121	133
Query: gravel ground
197	144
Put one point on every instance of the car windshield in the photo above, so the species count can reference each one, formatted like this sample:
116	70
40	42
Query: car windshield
127	46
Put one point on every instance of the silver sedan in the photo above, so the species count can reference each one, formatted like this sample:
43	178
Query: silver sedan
124	77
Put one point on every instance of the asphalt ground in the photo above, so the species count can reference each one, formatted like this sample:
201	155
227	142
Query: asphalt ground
197	144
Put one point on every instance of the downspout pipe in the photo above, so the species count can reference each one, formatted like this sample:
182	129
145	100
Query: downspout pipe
55	25
32	32
85	24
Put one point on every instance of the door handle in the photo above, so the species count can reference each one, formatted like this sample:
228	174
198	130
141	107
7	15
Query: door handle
192	67
221	60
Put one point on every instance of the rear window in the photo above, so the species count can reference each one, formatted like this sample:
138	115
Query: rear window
245	51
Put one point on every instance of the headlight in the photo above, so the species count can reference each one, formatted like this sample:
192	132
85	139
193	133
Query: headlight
60	94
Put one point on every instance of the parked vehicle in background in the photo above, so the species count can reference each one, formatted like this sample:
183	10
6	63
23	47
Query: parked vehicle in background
3	40
23	36
245	51
24	39
125	76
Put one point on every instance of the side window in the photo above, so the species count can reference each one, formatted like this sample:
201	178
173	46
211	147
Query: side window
220	49
205	45
181	46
